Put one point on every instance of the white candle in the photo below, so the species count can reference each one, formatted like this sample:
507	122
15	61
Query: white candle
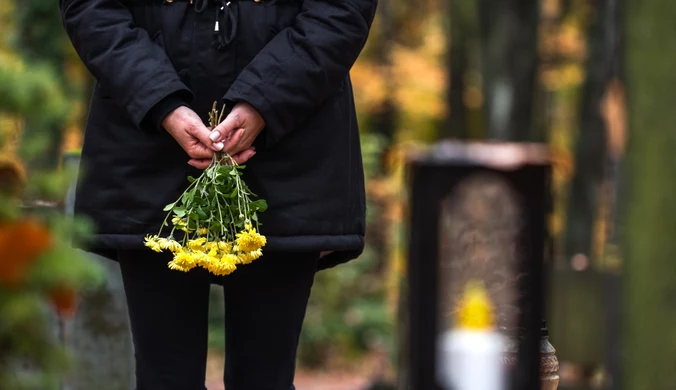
469	355
470	360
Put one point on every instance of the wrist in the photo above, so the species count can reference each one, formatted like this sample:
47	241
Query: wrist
159	115
169	119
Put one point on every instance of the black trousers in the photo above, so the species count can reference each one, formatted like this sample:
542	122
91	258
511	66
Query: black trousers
265	304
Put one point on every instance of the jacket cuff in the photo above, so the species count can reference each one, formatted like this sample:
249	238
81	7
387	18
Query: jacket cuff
240	92
163	108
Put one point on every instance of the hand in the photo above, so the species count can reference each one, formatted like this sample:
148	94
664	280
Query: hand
238	131
190	132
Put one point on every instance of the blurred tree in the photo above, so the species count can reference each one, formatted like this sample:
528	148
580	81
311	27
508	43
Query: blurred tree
39	39
382	55
29	91
591	156
461	59
509	62
649	248
38	265
43	81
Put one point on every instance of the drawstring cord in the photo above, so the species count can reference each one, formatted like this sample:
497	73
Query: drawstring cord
225	24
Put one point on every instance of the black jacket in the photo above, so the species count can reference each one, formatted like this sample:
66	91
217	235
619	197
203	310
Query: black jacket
289	59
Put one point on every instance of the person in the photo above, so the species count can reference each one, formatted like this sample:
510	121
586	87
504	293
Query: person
282	69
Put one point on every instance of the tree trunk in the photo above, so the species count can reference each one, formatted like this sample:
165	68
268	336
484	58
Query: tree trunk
509	37
384	120
649	285
591	144
457	62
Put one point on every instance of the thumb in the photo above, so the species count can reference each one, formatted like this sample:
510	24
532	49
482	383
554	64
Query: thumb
201	132
225	129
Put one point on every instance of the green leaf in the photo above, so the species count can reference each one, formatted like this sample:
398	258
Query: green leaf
179	211
191	179
260	205
187	197
201	213
169	206
224	169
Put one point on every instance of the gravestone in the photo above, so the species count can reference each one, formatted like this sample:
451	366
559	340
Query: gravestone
478	211
99	335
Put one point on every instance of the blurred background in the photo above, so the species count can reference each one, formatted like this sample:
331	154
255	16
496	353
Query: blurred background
592	79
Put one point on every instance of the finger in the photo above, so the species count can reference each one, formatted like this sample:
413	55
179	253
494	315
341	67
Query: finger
199	163
201	133
224	130
244	156
199	151
233	145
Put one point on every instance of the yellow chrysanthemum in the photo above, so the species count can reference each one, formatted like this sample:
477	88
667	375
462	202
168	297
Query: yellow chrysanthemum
178	222
170	244
173	266
202	259
152	243
248	257
229	258
174	246
185	260
211	245
163	243
150	238
225	247
203	231
197	244
214	260
222	267
250	240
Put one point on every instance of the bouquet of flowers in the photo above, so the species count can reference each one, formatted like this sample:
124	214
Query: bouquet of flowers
215	221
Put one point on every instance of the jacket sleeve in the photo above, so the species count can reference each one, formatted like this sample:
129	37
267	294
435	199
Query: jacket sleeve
304	64
122	57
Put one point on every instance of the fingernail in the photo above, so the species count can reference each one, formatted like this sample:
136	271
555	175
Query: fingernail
219	145
253	154
215	136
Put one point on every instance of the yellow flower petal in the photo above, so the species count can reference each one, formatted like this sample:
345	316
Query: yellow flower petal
197	244
250	240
